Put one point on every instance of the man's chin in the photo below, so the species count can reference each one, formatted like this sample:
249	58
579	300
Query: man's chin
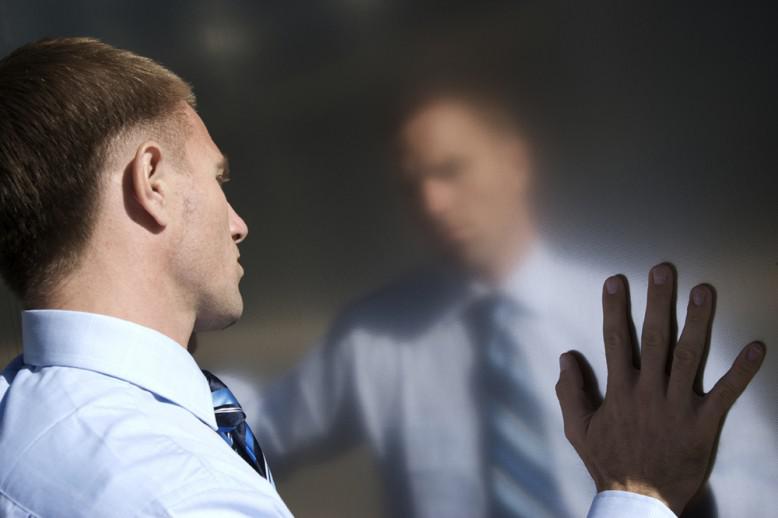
214	324
216	320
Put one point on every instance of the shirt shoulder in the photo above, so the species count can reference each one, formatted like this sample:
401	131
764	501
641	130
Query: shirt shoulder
119	449
406	306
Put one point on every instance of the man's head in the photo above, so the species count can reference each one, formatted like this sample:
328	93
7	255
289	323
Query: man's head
104	162
467	164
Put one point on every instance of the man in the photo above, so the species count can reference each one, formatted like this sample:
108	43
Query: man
448	374
118	238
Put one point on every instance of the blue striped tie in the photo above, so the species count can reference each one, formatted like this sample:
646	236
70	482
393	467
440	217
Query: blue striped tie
233	428
516	451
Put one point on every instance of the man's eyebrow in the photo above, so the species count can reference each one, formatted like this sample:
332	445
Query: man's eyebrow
224	169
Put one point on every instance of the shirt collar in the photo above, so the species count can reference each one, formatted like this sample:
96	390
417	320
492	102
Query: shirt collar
527	283
121	349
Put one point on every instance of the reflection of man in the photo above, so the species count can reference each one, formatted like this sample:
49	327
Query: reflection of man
116	234
448	374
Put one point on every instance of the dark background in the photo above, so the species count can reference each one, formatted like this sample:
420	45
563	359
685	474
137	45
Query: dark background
656	132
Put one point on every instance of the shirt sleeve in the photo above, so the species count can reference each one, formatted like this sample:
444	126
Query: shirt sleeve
311	409
618	504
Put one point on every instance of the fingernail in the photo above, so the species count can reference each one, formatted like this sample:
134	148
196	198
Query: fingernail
564	362
754	353
698	296
612	285
659	274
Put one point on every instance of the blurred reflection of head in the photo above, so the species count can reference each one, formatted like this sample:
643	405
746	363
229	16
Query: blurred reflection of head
466	162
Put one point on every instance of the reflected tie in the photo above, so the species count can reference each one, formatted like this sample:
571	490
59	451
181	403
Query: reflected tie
233	428
516	451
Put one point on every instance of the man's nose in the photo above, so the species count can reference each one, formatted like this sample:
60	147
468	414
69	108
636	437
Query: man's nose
238	227
434	197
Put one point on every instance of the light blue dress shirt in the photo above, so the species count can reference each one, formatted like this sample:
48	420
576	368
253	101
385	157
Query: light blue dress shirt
104	417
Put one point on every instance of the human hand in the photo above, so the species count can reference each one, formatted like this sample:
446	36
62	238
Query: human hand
653	434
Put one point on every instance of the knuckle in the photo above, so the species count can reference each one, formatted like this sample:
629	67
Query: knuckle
685	355
645	391
742	371
613	340
696	317
726	394
652	339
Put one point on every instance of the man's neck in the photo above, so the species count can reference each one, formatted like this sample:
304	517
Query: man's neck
144	301
507	254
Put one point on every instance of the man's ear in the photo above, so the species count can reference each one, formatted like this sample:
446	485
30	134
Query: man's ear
149	179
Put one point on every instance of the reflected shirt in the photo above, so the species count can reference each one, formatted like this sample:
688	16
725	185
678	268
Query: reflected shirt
104	417
396	371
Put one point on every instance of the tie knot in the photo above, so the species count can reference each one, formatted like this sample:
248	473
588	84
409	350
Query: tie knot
492	310
214	383
226	407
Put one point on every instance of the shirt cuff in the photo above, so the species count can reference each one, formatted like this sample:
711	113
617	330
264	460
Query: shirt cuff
617	504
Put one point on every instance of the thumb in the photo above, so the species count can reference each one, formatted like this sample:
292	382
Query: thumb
576	405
